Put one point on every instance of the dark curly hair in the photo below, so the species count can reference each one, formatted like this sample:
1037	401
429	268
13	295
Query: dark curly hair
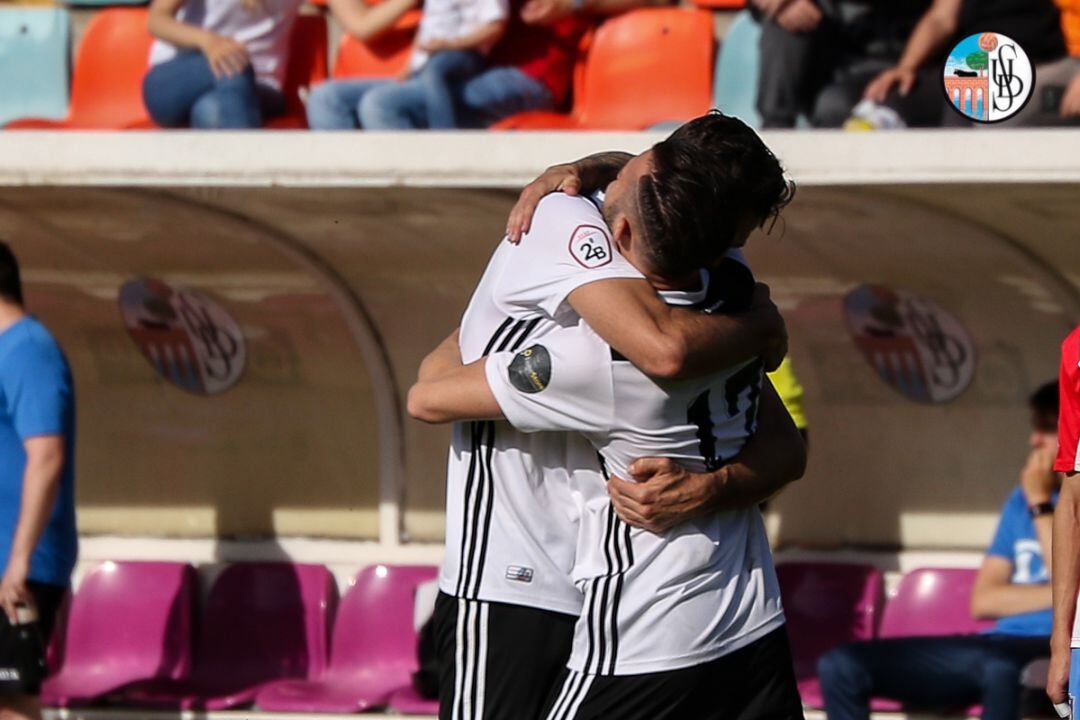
710	179
10	283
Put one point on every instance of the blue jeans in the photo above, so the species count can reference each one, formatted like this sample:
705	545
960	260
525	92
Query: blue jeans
946	673
380	104
183	92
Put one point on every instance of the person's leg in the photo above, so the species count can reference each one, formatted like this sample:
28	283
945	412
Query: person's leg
925	104
1003	661
440	75
833	105
784	60
20	707
335	105
761	679
233	104
22	658
394	106
498	93
271	100
171	88
497	661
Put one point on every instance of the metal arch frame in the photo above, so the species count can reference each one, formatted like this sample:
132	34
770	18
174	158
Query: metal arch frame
388	410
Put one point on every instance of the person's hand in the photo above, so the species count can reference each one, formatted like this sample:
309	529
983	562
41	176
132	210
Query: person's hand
1070	102
1057	678
227	57
545	12
799	16
664	494
879	87
1037	479
13	590
556	178
764	311
769	7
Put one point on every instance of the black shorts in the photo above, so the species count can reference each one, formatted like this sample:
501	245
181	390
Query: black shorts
756	682
498	661
22	655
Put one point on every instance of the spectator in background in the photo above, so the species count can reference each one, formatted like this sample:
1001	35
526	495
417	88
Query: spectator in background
791	393
912	89
1012	587
220	64
818	55
1070	22
38	540
452	45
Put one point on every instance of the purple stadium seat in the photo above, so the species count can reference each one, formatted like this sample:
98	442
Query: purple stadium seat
409	702
374	648
826	604
262	622
129	621
930	601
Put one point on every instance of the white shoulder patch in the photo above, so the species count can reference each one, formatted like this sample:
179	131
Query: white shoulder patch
590	245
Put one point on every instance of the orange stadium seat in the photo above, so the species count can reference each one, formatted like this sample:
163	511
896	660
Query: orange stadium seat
308	53
642	68
106	90
385	55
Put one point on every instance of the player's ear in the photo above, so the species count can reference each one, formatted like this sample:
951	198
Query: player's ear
622	234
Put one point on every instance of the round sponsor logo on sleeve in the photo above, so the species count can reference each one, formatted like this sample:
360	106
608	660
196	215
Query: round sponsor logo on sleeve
590	246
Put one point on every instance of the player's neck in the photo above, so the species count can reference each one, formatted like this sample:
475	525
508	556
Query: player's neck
687	283
10	313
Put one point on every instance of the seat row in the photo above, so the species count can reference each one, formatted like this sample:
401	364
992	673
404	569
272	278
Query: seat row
636	70
829	604
276	635
273	634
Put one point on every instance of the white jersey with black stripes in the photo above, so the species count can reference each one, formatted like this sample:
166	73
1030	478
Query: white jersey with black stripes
511	518
652	602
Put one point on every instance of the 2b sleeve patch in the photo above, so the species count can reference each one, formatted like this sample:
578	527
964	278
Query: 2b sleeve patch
530	370
590	246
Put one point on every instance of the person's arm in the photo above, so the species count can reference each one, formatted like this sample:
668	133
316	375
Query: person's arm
996	596
41	483
226	56
445	357
1066	584
666	494
364	21
484	35
454	393
670	342
1038	482
583	176
548	12
934	29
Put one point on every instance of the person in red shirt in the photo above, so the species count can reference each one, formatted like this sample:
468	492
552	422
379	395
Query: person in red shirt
1066	542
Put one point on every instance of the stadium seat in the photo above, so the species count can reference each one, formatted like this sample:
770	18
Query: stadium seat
720	4
129	621
33	62
308	53
409	702
826	604
262	622
386	55
106	91
374	648
737	67
643	67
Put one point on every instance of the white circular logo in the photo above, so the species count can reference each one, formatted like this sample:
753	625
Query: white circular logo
988	77
189	339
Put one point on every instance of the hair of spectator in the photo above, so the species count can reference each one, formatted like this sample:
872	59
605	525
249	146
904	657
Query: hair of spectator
709	178
1045	401
10	283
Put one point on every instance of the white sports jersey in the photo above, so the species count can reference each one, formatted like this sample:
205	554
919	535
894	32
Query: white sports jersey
652	602
510	513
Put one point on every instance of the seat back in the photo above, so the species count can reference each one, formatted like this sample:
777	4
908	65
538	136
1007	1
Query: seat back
34	60
131	620
932	601
737	69
264	621
374	630
308	64
827	604
112	60
645	67
383	56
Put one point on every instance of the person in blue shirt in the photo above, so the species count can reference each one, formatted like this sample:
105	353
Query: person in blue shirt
38	539
1012	587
